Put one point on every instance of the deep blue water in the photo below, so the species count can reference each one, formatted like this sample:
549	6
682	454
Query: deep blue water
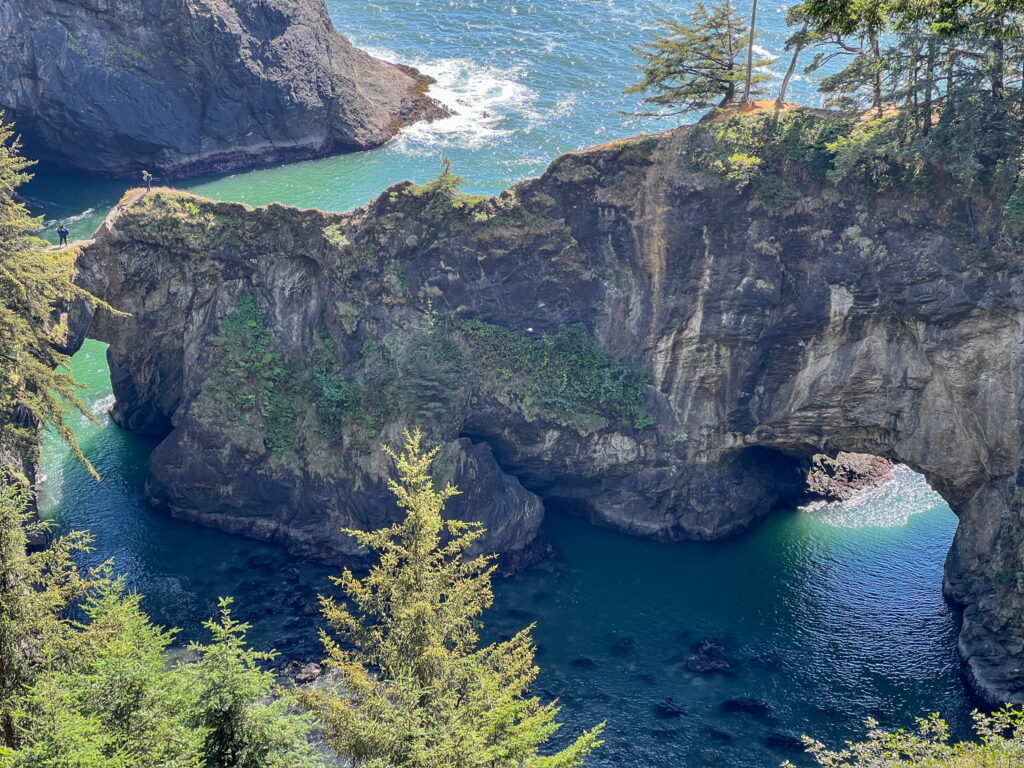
829	616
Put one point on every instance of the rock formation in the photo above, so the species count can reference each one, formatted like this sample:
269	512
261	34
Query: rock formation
845	475
188	86
629	333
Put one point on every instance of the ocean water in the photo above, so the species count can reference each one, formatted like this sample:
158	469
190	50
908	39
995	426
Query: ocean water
828	615
529	80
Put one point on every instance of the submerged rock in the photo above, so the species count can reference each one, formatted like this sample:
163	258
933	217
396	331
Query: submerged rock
183	87
747	706
784	742
669	708
623	646
708	656
716	735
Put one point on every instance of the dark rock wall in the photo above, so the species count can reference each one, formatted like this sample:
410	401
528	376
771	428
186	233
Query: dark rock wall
189	86
769	334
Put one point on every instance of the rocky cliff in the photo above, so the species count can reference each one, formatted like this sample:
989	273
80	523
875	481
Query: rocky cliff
187	86
642	333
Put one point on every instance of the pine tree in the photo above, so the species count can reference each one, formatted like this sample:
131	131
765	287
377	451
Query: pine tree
244	726
998	743
35	591
113	702
33	281
417	689
697	65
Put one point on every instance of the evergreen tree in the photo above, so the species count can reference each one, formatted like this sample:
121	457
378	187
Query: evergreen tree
999	743
851	28
697	65
417	689
114	702
244	727
33	281
35	591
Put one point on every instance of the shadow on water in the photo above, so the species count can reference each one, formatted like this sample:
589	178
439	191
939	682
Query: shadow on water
824	618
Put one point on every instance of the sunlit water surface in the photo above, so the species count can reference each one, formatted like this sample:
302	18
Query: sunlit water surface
829	616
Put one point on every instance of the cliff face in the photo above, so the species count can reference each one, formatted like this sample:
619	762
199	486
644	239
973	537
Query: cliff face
627	333
188	86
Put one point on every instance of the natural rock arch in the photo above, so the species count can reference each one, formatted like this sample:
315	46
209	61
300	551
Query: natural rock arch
769	334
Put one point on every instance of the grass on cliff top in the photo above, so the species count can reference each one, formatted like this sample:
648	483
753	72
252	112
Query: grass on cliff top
181	221
864	154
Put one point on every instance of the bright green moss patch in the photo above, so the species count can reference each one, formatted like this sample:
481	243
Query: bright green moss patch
252	377
564	374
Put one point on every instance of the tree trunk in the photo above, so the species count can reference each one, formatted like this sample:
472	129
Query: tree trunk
876	74
929	86
750	50
797	48
998	68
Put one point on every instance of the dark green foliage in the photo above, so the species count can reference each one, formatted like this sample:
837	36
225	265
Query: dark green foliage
419	378
257	381
565	373
242	728
698	64
113	702
423	374
35	591
99	692
336	397
252	375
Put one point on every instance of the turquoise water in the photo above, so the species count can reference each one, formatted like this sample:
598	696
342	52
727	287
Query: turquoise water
529	79
828	617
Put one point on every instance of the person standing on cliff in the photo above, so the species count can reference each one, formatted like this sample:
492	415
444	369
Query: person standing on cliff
147	179
63	232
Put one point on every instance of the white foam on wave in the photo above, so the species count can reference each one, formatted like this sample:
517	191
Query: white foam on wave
102	406
71	219
50	487
890	505
480	98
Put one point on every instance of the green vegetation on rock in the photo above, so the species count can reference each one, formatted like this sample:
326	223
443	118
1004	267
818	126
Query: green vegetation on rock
929	97
422	373
564	374
252	376
185	223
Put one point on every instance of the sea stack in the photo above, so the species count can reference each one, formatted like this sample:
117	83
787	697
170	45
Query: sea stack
183	87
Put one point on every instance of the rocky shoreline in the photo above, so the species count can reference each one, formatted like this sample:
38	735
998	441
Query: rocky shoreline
183	88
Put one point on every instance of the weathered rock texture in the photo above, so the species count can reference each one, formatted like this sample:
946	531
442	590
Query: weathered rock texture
770	328
845	475
187	86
